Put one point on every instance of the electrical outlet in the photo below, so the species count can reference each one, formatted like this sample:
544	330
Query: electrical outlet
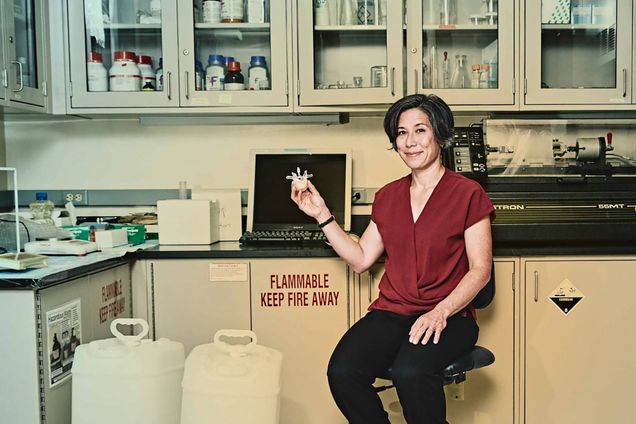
78	197
358	196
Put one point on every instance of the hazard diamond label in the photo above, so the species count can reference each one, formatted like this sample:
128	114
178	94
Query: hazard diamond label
566	296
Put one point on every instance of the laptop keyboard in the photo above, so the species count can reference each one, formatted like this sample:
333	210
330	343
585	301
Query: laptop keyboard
282	237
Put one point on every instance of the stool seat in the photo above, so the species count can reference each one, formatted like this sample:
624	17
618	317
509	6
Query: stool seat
455	372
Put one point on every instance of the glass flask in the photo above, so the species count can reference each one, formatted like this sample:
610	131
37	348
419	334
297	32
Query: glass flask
460	77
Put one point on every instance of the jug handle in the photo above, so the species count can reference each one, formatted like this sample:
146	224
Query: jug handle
129	340
235	350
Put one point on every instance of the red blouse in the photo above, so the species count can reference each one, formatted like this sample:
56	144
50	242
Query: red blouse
425	259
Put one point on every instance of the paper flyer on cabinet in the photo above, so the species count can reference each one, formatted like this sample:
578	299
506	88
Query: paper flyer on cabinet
64	332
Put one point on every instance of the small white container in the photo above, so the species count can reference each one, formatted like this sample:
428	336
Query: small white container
124	74
232	384
96	73
127	379
256	11
107	239
232	11
212	11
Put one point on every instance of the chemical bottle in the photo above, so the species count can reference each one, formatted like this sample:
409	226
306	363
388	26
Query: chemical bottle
475	75
215	73
96	73
211	11
232	11
234	80
159	75
256	11
366	12
321	12
198	75
148	77
42	208
124	74
257	75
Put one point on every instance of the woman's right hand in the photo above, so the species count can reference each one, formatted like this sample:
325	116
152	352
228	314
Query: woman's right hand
310	202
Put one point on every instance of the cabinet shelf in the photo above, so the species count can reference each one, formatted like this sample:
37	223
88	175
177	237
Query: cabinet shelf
576	26
462	27
242	26
350	27
133	27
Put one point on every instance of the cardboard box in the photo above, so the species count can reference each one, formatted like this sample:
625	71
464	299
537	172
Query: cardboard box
136	232
111	238
188	221
79	232
555	11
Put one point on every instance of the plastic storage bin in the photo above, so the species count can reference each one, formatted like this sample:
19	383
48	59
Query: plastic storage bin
232	384
127	380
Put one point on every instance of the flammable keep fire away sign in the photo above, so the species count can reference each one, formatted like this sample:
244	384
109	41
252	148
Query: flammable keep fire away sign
566	296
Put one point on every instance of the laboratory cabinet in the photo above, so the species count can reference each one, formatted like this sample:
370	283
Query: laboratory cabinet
188	300
489	395
179	56
42	327
463	51
464	54
577	339
581	59
28	53
299	306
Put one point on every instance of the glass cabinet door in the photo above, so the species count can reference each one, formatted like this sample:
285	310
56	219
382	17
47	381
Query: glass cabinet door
123	53
350	52
462	50
233	53
4	73
578	52
26	81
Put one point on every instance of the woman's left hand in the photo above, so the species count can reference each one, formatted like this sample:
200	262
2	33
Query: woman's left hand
430	324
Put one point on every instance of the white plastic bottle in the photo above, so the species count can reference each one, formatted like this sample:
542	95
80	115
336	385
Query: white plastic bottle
148	77
124	74
232	11
215	73
256	11
257	74
96	73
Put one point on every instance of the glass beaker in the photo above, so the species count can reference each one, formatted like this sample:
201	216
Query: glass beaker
460	77
447	12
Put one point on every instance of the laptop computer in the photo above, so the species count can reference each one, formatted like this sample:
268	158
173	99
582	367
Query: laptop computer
272	214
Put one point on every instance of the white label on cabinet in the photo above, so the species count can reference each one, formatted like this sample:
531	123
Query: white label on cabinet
228	272
566	296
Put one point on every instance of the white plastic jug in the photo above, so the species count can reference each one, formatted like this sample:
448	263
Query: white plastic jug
232	384
127	379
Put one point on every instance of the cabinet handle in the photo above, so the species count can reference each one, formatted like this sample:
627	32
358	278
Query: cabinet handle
169	85
393	81
624	82
415	81
370	283
187	85
536	286
20	72
5	79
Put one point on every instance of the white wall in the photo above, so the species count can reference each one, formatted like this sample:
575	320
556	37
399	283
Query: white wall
122	154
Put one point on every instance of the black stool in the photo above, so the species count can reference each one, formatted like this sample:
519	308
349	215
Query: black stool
479	357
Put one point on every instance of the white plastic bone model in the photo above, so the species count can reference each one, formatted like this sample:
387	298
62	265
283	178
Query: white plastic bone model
299	180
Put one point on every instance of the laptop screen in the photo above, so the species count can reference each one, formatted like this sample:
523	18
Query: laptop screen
270	206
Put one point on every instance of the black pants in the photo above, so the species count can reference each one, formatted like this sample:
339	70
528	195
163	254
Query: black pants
380	340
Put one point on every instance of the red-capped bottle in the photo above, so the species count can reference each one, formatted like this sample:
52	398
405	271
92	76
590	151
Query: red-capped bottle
234	80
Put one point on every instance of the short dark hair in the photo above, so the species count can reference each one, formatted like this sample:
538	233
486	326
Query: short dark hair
438	113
